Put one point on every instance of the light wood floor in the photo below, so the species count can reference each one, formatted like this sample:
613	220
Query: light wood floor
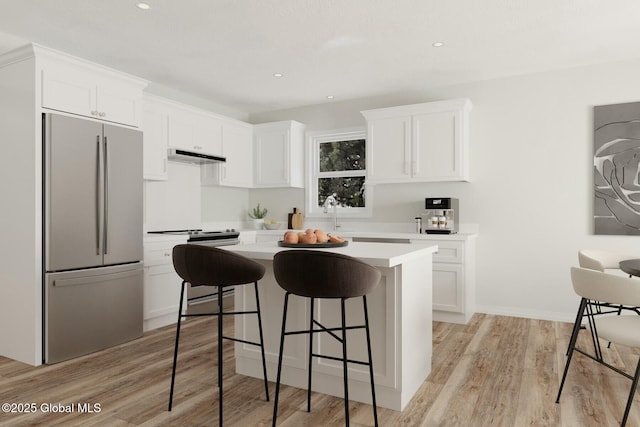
495	371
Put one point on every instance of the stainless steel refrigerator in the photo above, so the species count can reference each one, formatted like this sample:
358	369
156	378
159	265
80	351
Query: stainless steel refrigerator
93	251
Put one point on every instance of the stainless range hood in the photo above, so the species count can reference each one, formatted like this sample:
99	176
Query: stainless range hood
186	156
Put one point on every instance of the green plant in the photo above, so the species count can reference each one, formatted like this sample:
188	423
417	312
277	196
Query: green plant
258	213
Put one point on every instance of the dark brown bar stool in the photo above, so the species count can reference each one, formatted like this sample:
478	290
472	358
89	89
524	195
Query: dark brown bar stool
318	274
199	265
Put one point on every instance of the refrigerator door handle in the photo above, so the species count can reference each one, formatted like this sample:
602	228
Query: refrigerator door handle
98	195
106	197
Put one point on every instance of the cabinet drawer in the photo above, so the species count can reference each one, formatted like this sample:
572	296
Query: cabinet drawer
452	252
157	253
448	252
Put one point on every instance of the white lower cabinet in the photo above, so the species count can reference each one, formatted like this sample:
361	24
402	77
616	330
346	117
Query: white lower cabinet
161	284
453	278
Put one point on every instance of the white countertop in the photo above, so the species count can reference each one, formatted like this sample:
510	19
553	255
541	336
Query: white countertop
376	254
383	235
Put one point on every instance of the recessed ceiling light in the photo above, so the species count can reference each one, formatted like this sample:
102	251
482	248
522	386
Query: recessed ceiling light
143	6
437	44
277	74
329	96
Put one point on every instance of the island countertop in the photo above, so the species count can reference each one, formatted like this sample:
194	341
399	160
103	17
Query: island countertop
376	254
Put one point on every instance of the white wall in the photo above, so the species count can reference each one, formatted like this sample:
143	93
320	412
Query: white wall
531	191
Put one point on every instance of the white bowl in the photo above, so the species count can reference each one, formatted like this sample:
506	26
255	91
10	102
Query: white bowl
275	226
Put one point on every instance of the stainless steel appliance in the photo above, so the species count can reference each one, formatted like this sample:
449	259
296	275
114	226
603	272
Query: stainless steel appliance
93	280
204	299
440	215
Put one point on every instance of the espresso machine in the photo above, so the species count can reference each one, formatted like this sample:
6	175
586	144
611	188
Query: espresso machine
440	215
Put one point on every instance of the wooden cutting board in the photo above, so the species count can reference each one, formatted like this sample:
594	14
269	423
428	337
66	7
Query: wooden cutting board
297	221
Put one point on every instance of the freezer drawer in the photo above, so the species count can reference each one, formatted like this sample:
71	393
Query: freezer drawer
90	310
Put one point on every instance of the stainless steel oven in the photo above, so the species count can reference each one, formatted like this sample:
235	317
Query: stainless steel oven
204	299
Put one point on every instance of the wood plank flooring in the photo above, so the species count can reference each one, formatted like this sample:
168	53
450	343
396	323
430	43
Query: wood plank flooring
494	371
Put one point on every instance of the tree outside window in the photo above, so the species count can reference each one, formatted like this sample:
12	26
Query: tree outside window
338	166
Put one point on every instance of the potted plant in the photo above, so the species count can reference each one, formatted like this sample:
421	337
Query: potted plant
258	216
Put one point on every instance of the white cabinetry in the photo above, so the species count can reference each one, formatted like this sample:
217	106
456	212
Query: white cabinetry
155	130
279	154
453	278
195	130
237	148
75	87
161	283
419	143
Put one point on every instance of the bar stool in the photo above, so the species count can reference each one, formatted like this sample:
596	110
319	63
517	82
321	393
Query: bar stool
318	274
199	265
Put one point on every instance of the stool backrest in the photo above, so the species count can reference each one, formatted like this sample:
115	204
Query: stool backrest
319	274
605	287
206	265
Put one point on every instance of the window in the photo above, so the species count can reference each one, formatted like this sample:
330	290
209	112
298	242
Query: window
337	167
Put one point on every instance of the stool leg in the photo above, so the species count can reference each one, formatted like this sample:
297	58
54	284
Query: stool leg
284	324
310	356
175	349
220	316
264	362
344	364
373	388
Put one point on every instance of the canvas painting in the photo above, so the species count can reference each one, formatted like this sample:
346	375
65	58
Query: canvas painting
616	161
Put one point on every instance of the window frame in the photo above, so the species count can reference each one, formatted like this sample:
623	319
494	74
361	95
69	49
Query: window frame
314	139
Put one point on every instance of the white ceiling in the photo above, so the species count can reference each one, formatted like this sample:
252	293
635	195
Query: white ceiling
227	51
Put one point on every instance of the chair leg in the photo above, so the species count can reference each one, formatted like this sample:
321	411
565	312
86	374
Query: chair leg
175	350
632	392
284	324
373	388
220	317
264	361
344	363
566	369
577	323
310	356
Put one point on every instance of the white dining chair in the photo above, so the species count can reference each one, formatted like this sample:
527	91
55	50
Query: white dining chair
603	261
592	285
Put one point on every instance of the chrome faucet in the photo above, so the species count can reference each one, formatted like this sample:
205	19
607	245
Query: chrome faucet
331	201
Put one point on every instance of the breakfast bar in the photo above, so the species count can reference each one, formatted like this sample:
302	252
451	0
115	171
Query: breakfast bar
399	315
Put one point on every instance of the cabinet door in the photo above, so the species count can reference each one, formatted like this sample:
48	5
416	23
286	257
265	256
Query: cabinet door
161	296
448	287
437	148
389	150
237	148
208	134
70	90
272	147
193	131
119	103
155	142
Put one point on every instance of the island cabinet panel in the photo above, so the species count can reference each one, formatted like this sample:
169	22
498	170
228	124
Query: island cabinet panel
426	142
400	327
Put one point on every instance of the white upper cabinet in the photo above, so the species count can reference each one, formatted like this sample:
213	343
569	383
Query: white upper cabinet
195	130
92	91
426	142
155	126
279	154
237	148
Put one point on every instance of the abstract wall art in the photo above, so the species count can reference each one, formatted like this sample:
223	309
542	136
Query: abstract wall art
616	160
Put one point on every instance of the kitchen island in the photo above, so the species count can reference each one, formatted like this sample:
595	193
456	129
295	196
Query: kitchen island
399	315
